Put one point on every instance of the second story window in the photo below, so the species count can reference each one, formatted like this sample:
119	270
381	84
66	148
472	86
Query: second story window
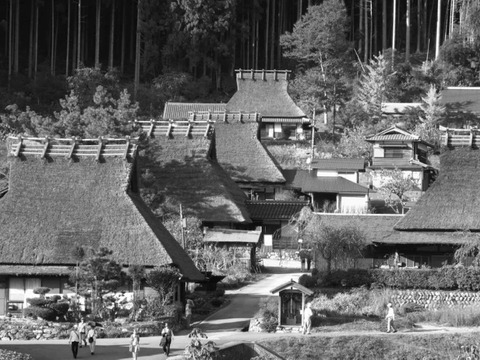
393	153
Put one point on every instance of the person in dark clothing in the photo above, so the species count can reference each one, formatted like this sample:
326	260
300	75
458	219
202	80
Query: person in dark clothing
167	335
73	340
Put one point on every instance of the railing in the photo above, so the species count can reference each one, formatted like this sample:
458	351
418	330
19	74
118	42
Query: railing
460	137
168	128
68	148
214	116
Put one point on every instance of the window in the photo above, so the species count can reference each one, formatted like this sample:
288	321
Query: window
393	153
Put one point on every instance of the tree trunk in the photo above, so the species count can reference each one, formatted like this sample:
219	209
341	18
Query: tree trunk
67	55
35	50
267	34
112	37
30	43
137	51
79	33
272	38
439	23
360	27
10	43
17	36
407	40
52	38
97	33
365	55
384	25
394	24
419	25
122	51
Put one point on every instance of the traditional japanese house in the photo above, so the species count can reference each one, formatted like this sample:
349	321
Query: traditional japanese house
182	110
64	194
395	148
265	92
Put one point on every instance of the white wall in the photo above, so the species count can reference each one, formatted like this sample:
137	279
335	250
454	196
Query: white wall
353	204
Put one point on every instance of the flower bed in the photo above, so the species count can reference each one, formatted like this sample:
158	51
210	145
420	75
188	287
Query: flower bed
13	355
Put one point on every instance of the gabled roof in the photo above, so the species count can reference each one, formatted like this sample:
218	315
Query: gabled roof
453	201
308	182
274	210
58	201
180	110
339	164
393	134
184	170
232	236
243	156
292	285
462	99
379	229
264	92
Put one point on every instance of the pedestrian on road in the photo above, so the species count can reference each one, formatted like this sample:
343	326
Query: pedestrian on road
134	344
82	330
167	336
73	340
188	311
307	319
92	338
390	319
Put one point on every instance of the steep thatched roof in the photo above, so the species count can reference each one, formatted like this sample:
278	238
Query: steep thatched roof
183	170
379	229
453	201
57	203
243	156
264	92
232	236
181	110
464	99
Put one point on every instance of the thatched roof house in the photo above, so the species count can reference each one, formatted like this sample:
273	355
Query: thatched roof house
63	194
183	169
243	156
452	203
265	92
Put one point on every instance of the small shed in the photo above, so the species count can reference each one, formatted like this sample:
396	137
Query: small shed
291	303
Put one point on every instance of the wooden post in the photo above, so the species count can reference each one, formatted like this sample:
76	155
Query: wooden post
72	148
45	148
152	126
99	150
19	146
279	308
127	146
471	137
446	137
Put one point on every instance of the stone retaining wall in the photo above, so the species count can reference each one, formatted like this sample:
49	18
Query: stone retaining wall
432	300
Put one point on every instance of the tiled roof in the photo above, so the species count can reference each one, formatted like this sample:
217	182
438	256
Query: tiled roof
339	164
380	229
282	120
179	110
274	210
393	133
309	183
462	99
264	92
232	236
243	156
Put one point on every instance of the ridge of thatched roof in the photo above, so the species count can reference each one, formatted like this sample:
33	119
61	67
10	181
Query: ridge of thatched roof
184	171
453	201
264	92
243	156
181	110
379	229
55	204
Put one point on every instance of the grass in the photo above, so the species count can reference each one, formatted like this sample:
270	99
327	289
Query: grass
392	347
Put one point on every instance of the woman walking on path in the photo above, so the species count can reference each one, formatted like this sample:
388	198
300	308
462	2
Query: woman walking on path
92	338
390	319
82	330
167	336
73	341
307	319
134	344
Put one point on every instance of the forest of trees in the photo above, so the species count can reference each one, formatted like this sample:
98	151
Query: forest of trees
152	42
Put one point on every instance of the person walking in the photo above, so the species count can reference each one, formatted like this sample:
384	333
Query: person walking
307	319
73	340
82	330
188	311
390	319
167	336
92	339
134	344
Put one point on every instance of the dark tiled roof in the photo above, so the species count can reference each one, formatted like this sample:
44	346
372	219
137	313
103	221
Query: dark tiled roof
179	110
453	201
461	99
274	210
184	171
55	204
380	229
232	236
308	182
339	164
266	94
392	137
243	156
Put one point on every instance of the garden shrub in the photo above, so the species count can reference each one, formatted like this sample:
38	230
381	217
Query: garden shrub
40	312
268	312
307	281
13	355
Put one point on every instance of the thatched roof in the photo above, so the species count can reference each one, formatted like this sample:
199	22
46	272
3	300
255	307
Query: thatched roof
464	99
243	156
399	108
379	229
180	110
55	204
453	201
232	236
264	92
183	170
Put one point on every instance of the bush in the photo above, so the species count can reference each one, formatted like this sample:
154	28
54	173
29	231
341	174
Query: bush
268	312
41	312
216	302
13	355
307	281
60	309
39	302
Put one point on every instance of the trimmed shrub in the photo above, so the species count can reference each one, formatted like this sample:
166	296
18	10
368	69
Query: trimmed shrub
60	309
40	302
41	312
307	281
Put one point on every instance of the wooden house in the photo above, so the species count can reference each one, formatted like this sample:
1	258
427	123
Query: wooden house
265	92
66	193
333	185
395	148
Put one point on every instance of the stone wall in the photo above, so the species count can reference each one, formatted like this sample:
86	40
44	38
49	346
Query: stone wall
432	300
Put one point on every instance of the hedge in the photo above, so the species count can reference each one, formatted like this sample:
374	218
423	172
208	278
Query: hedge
445	278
